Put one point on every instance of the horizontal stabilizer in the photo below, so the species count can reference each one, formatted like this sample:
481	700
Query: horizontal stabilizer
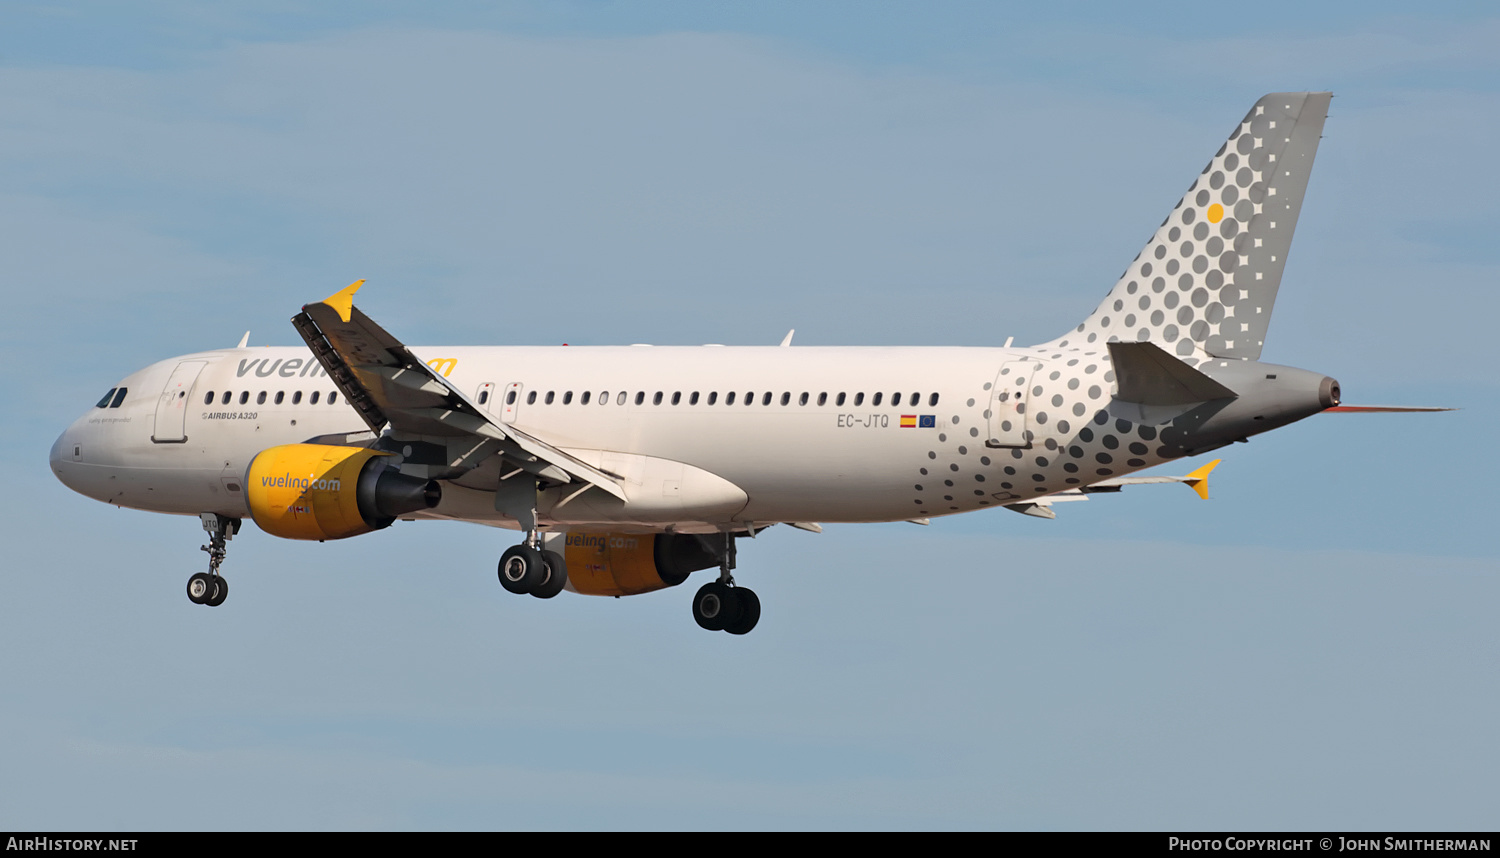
1149	376
1378	409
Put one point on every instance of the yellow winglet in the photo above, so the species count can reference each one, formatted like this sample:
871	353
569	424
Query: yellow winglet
342	301
1199	479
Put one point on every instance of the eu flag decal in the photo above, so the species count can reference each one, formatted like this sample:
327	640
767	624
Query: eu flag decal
928	421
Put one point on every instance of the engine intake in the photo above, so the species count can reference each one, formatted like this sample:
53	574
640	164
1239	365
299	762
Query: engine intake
320	491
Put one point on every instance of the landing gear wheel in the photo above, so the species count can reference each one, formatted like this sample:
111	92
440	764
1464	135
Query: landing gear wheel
555	577
716	606
200	588
749	612
522	569
221	592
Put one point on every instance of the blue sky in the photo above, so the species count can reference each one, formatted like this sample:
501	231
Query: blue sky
1312	648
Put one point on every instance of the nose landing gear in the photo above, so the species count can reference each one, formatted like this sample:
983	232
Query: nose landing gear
209	588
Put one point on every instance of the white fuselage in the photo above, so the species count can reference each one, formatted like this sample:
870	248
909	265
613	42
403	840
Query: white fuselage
831	444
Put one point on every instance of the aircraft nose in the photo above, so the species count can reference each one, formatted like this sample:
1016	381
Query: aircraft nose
58	458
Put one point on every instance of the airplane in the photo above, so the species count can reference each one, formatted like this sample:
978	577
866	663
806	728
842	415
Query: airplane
628	468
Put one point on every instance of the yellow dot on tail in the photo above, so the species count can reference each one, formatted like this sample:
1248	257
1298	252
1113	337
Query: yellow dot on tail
1215	213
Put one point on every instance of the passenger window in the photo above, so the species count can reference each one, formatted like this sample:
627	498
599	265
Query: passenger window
119	397
584	399
510	397
548	400
280	395
693	400
311	400
916	399
296	397
875	400
713	397
568	398
620	400
207	400
728	398
895	400
640	397
932	400
333	397
531	398
676	397
786	398
840	400
245	397
859	399
260	398
802	400
822	399
104	403
656	400
765	398
484	396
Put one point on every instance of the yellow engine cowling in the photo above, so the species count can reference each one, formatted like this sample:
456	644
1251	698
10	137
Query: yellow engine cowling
320	491
623	564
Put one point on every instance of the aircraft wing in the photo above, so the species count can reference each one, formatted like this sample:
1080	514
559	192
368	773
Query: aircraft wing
388	385
1042	507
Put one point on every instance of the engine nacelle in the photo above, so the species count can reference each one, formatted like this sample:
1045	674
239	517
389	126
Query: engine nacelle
623	564
320	491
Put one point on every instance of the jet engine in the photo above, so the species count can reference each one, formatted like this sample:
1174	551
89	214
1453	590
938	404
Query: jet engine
319	491
623	564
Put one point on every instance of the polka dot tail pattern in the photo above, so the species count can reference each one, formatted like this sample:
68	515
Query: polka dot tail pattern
1205	283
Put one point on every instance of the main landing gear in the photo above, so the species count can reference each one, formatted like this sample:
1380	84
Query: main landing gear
526	568
209	588
720	606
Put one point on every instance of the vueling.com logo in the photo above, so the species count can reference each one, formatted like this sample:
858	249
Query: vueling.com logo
304	483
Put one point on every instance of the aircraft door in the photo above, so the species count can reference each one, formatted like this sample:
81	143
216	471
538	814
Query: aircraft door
171	408
484	397
1008	400
510	403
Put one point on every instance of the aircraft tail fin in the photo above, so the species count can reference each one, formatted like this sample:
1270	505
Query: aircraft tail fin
1205	283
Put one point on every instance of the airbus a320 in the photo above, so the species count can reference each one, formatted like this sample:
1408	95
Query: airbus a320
626	469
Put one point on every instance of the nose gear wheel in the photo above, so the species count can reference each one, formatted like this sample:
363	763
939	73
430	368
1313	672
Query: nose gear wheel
210	588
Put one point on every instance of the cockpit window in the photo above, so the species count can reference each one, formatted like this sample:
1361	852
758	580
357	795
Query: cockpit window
119	397
104	403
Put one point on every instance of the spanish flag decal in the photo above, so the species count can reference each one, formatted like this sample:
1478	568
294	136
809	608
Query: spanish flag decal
908	421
